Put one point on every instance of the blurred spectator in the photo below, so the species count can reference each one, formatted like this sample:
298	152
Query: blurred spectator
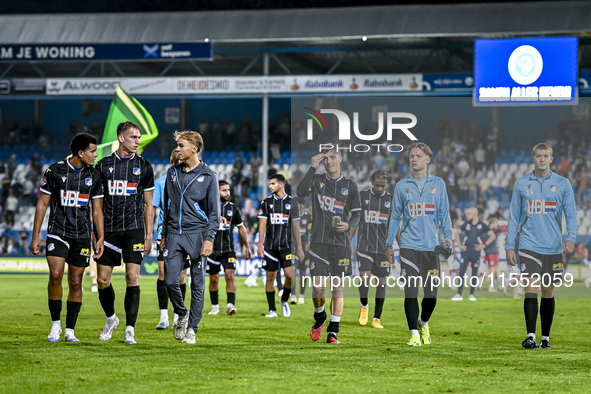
463	166
479	157
492	137
492	205
23	237
13	130
472	184
380	161
580	254
498	214
11	164
582	186
484	185
11	208
245	182
235	180
564	165
238	163
481	204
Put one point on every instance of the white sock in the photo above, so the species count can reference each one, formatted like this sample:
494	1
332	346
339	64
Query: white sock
69	332
335	319
365	306
56	322
414	332
163	314
111	318
216	306
320	310
423	323
230	305
176	317
544	338
532	335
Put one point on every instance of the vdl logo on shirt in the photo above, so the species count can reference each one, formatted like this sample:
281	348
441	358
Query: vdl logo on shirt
72	198
122	188
540	207
375	217
331	204
418	209
279	218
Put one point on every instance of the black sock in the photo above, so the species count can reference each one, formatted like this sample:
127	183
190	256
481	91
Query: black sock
285	295
107	299
333	326
215	297
183	290
162	294
427	308
411	309
319	318
530	309
271	300
72	311
132	304
55	309
547	307
231	298
380	298
363	292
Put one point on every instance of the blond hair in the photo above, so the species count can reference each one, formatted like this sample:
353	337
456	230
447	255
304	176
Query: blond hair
541	146
422	146
192	137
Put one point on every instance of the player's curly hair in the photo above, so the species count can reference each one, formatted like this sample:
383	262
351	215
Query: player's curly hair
192	137
379	174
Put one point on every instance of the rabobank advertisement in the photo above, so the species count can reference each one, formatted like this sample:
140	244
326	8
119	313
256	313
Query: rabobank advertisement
526	71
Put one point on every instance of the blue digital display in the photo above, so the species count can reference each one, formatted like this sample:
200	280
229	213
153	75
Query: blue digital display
526	71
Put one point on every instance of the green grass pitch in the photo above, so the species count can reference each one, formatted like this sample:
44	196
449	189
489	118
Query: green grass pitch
476	348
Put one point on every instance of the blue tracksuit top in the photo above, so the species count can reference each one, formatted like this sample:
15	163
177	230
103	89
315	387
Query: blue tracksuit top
421	206
536	212
158	201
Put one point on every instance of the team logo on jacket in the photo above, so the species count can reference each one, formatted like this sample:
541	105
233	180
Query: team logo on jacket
88	181
201	178
137	171
344	191
387	204
540	207
552	188
433	190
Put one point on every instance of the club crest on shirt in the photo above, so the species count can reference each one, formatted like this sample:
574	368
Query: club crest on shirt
201	178
229	213
479	226
387	204
137	171
344	191
433	190
287	206
50	247
552	188
88	181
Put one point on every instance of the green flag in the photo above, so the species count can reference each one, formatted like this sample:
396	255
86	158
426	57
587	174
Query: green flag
125	107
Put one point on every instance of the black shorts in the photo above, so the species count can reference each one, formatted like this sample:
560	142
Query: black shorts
548	268
330	260
128	245
75	251
216	261
302	265
378	264
275	259
415	264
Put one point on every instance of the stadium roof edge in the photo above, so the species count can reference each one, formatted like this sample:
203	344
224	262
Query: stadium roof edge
311	24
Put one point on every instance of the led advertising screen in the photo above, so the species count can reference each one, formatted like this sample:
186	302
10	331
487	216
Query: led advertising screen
526	71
